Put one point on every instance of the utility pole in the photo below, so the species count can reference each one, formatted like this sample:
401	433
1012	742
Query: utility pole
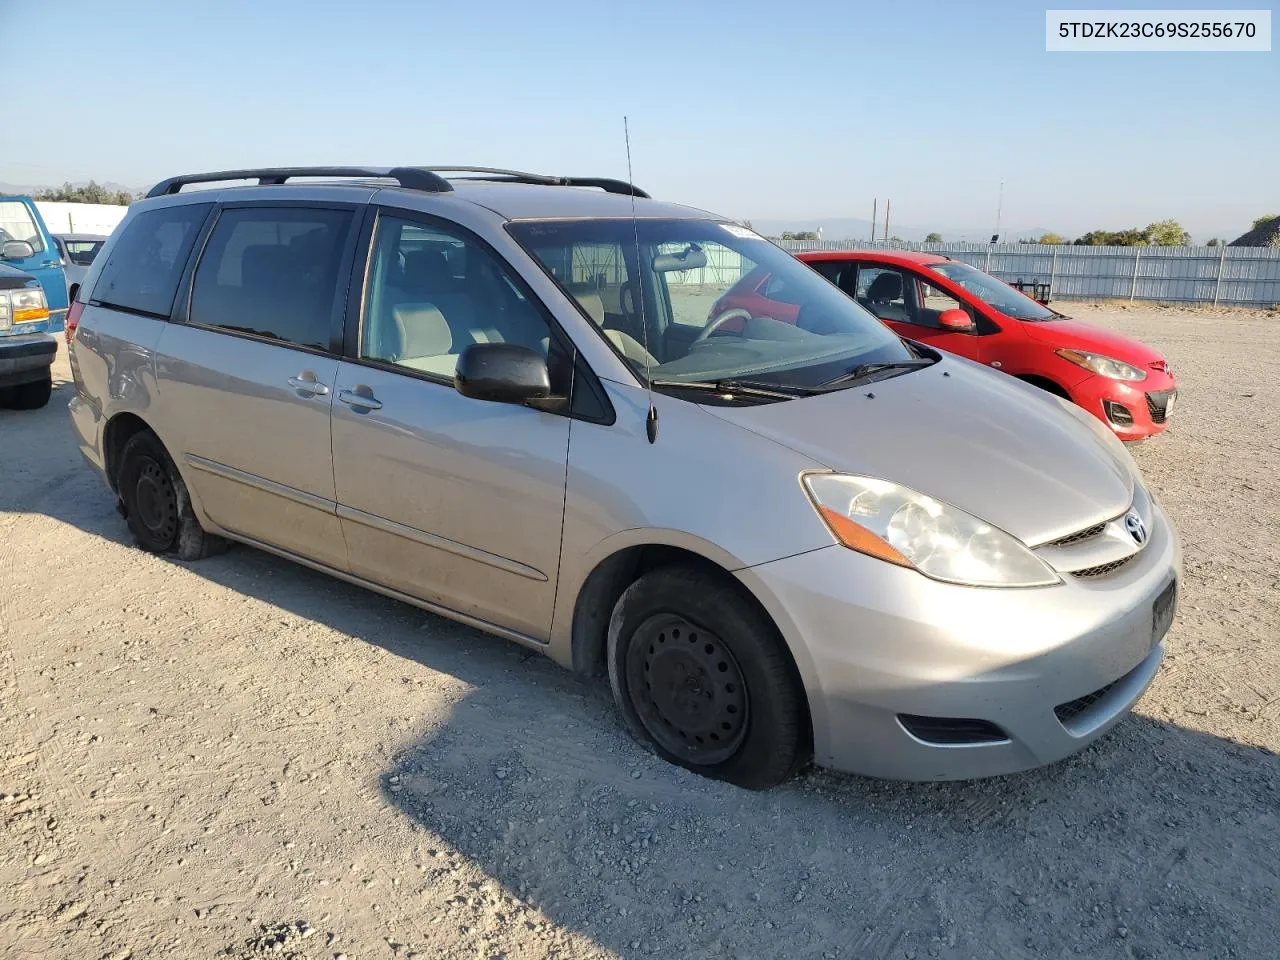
875	212
999	210
886	218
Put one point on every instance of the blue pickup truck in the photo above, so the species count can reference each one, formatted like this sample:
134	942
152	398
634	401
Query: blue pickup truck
26	351
26	245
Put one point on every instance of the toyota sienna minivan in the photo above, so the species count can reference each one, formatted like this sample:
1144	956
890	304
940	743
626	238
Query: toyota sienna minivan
499	396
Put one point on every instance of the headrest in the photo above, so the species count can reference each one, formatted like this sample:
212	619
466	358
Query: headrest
886	286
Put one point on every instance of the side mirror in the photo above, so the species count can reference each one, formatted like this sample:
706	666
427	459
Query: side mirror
16	250
957	321
503	373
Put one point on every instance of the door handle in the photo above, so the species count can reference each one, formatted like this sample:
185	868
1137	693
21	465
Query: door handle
311	387
356	398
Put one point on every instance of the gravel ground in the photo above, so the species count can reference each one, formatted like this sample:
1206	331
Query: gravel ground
243	758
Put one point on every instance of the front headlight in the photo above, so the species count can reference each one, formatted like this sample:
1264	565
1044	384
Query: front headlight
893	523
1103	366
27	305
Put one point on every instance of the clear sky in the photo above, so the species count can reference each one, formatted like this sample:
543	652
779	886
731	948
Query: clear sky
752	109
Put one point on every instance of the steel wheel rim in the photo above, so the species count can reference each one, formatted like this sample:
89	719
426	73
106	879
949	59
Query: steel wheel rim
687	689
154	499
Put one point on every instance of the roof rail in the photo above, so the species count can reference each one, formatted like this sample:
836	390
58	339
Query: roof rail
496	174
413	178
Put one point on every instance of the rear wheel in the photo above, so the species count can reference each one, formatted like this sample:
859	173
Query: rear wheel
701	677
29	396
155	503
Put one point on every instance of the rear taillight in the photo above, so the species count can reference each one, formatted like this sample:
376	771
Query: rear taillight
73	320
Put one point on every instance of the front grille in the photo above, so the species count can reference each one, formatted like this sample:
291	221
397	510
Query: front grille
951	730
1087	534
1102	569
1157	405
1066	712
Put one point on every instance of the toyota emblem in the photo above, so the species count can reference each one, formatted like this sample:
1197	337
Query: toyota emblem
1137	529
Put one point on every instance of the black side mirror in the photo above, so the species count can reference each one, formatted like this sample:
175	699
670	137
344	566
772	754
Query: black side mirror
16	250
503	373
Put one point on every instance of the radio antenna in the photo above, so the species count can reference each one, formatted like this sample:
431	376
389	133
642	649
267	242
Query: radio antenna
651	417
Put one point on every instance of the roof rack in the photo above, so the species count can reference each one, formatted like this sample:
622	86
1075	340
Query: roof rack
426	179
498	175
413	178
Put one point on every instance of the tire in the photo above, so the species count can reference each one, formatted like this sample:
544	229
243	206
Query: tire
702	678
155	504
30	396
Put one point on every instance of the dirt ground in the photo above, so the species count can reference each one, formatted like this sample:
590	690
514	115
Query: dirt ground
243	758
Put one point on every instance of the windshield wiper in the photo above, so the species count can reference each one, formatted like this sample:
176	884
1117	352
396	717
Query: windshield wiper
738	388
864	370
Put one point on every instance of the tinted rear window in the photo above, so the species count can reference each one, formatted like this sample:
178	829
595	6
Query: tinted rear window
273	272
147	260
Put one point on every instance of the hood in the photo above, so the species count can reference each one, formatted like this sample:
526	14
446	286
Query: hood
1000	449
1083	336
11	278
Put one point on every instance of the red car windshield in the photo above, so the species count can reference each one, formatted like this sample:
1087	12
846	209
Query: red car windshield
993	292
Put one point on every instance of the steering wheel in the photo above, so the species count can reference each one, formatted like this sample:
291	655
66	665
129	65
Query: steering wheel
733	313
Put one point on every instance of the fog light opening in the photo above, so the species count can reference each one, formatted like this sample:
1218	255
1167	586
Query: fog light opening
1117	413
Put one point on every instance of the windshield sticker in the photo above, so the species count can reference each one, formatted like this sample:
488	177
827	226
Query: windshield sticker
742	233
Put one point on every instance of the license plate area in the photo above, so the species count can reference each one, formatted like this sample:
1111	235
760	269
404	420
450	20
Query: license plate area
1162	612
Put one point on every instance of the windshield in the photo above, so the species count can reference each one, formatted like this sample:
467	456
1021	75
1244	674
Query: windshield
16	224
994	292
719	302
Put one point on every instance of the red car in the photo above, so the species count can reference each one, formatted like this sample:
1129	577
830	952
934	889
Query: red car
956	307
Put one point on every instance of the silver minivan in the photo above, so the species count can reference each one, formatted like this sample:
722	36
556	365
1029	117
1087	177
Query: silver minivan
508	399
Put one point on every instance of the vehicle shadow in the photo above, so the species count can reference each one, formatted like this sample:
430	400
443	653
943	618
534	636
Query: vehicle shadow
1159	841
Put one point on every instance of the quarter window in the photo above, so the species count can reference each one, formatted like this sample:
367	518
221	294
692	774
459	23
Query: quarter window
434	291
273	272
148	258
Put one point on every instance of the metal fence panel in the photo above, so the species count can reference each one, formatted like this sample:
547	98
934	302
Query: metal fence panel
1241	276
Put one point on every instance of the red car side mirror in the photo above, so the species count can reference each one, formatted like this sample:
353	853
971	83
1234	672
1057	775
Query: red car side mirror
956	320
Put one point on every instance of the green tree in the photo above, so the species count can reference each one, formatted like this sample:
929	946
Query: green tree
1167	233
1213	242
1265	220
1051	238
933	238
1114	238
91	192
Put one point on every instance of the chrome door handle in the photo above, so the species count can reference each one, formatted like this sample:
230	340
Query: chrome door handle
312	387
353	398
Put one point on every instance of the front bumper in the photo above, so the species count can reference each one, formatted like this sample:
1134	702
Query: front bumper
25	358
875	642
1148	403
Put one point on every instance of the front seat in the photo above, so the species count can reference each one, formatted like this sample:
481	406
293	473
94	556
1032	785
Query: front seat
627	345
884	290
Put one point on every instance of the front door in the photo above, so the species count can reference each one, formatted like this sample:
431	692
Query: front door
45	262
910	305
248	381
455	501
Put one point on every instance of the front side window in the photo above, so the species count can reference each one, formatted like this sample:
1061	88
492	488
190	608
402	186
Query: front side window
16	224
682	304
433	291
993	292
147	259
273	272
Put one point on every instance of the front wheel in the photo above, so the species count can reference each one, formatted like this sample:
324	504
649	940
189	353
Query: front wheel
701	676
